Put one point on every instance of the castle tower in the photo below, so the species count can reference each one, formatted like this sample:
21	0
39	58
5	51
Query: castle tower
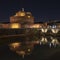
22	17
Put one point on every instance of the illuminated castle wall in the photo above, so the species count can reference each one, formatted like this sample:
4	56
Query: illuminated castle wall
24	20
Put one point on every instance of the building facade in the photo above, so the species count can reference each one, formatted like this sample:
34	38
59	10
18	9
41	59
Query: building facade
21	19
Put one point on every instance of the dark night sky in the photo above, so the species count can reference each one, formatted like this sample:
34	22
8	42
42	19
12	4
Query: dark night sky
49	9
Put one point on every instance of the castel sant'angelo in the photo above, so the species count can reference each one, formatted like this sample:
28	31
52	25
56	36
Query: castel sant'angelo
22	19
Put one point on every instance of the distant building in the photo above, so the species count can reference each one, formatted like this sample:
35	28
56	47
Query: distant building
24	19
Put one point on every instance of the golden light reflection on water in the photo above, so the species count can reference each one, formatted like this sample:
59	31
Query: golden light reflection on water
15	45
21	49
25	48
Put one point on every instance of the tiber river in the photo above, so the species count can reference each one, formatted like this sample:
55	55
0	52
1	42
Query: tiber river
29	45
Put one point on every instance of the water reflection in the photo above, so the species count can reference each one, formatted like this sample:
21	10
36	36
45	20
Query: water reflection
15	45
54	42
22	48
26	47
43	40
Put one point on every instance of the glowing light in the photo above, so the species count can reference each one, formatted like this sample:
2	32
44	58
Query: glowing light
54	26
43	40
29	16
55	30
54	41
35	26
44	30
50	45
15	25
15	45
28	50
21	53
20	14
